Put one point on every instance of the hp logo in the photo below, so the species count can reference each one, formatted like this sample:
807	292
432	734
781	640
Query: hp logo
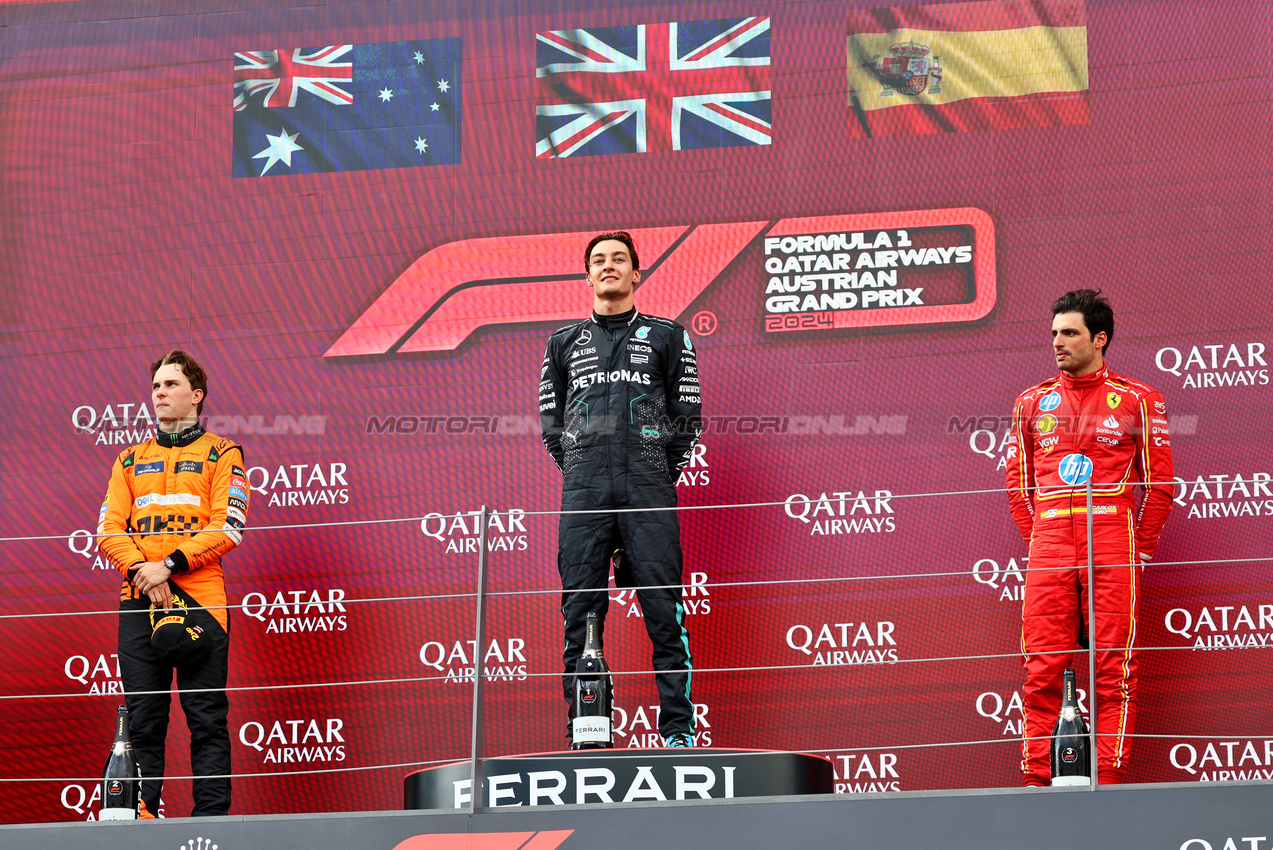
1075	470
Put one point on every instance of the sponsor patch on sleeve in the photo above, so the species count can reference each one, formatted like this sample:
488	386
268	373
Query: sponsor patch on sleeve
232	533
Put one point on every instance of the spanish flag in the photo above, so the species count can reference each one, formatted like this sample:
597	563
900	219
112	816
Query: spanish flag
992	65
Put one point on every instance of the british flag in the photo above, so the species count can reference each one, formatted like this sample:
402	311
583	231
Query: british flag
283	74
653	87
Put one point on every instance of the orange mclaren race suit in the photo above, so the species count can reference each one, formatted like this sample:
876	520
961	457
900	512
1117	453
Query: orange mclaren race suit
183	499
1065	431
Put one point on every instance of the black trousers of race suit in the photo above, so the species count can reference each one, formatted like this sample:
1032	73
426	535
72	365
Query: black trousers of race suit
143	669
651	541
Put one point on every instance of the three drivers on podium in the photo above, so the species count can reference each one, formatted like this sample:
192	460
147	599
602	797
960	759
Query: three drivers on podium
1085	426
621	411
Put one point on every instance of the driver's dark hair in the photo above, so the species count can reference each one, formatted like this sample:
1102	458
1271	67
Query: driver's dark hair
619	236
189	367
1097	314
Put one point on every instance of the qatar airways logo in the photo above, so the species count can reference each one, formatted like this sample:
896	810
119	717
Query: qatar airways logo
1222	761
83	543
120	424
1223	626
303	741
296	484
503	661
843	512
459	532
298	611
845	644
98	673
695	597
1229	842
1006	580
865	772
695	473
1224	496
1233	364
639	726
456	289
86	800
1005	710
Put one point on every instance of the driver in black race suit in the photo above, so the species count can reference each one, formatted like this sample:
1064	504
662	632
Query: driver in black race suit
620	408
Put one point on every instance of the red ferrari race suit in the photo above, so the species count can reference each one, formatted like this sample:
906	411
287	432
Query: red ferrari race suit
1065	431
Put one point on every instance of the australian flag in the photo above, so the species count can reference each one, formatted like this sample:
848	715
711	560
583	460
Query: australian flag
683	85
346	107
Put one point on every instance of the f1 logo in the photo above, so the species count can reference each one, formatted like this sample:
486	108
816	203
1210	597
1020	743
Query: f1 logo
457	288
544	840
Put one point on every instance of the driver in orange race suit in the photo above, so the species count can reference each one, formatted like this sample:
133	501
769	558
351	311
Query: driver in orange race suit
174	506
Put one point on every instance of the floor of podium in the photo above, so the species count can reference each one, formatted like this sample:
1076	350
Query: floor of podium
1175	816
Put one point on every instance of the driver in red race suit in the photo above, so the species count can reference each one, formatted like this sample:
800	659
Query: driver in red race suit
1085	424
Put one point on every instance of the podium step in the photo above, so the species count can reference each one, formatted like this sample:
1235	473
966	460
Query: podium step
621	776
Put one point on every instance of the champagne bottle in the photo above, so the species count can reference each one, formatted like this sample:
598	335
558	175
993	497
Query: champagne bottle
591	727
121	778
1071	757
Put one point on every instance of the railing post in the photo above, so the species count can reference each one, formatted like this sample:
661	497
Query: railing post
1091	636
479	647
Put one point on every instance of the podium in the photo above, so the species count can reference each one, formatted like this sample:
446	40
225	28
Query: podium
620	776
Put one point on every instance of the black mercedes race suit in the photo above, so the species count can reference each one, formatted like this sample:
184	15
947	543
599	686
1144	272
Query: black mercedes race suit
621	411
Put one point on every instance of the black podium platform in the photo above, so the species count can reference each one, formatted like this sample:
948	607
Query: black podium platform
621	776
